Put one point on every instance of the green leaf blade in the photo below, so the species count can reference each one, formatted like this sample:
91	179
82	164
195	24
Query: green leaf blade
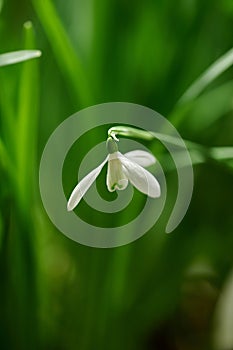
212	73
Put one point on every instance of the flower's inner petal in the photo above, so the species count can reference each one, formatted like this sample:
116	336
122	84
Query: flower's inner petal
122	184
82	187
116	178
115	155
140	157
144	181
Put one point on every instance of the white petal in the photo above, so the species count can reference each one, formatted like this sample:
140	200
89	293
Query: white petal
82	187
140	157
18	56
142	179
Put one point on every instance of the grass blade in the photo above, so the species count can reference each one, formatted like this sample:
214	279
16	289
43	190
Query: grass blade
202	112
65	54
1	5
221	153
213	72
27	124
5	161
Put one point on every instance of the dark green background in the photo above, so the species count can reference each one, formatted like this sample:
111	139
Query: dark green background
159	292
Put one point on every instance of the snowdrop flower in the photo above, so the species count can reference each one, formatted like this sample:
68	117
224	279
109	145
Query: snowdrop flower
121	170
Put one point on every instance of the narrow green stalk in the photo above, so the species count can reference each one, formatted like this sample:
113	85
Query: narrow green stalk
68	60
217	153
184	104
211	73
23	272
5	161
27	125
221	153
128	131
8	113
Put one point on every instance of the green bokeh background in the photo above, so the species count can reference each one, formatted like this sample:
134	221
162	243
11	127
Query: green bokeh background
162	291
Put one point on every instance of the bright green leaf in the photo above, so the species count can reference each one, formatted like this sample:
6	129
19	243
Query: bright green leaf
206	109
68	60
213	72
27	122
5	161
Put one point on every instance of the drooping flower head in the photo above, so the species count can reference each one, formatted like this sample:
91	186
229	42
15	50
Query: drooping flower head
122	169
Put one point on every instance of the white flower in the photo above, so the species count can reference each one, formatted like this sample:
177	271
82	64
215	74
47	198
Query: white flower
121	170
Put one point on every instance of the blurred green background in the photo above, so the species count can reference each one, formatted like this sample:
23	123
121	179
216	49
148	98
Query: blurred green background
162	291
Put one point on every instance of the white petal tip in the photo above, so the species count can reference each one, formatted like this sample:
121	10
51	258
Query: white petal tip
141	157
122	184
155	192
69	207
155	195
18	56
38	53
